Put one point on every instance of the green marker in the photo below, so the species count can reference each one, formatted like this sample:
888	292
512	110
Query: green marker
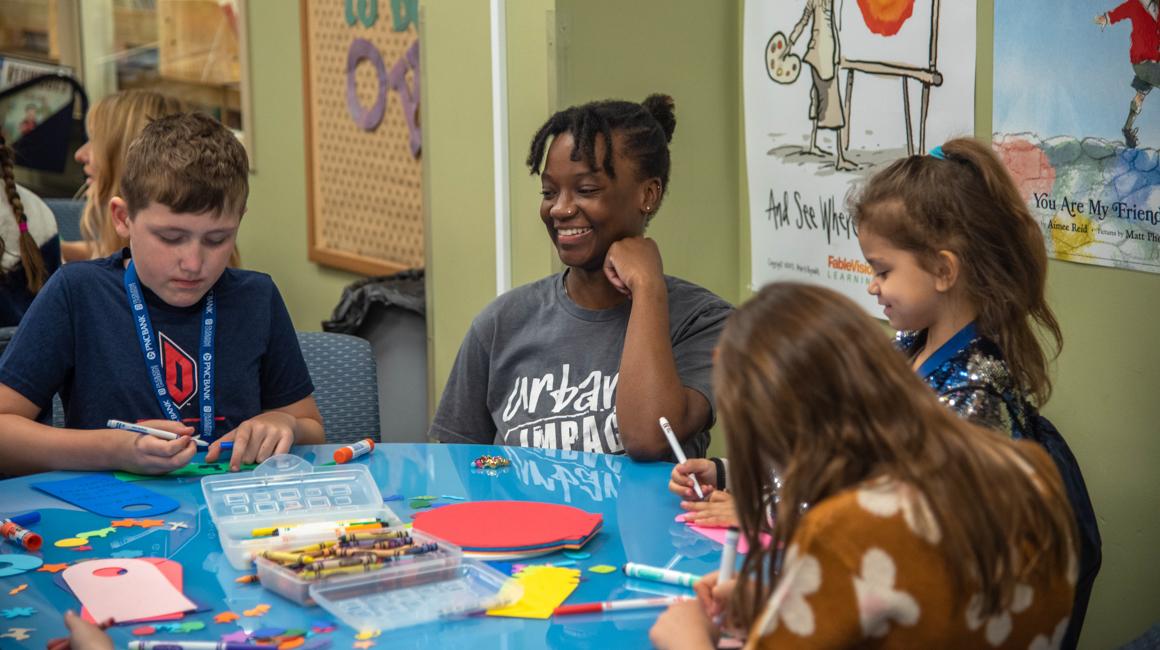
657	574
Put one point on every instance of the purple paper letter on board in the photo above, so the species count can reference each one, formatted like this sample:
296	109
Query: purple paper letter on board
409	94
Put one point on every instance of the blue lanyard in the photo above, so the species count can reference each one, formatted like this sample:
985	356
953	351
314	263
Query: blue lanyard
150	349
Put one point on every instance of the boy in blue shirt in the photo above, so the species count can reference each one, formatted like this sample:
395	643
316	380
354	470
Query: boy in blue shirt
162	333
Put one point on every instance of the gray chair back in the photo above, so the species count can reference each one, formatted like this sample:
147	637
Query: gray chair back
342	368
68	217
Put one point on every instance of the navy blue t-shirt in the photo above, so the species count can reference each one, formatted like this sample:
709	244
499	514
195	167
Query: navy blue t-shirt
78	339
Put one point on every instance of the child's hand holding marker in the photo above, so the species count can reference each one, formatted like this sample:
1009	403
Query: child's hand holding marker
678	452
701	471
144	447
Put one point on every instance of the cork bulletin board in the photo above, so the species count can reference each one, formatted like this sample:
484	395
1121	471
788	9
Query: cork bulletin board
361	82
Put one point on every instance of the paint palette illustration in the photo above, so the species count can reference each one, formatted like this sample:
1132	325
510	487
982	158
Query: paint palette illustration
782	67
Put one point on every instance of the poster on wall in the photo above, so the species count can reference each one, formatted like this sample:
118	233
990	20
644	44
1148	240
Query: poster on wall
363	139
1077	126
835	90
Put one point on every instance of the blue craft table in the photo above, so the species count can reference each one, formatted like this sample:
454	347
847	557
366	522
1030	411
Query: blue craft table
639	526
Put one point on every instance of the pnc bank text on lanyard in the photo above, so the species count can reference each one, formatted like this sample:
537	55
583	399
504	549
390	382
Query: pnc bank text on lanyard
149	348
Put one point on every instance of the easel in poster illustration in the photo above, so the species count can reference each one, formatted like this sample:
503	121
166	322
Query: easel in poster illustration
928	77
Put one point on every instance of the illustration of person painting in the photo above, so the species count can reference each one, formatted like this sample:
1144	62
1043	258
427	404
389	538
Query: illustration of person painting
823	54
1144	53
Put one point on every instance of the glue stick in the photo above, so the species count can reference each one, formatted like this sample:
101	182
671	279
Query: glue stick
18	534
350	452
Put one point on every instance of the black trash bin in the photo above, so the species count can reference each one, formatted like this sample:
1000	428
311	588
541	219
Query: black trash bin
390	311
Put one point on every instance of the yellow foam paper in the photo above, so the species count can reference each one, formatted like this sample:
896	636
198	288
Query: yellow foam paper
545	589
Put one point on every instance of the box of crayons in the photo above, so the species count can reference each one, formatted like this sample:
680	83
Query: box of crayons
365	554
286	503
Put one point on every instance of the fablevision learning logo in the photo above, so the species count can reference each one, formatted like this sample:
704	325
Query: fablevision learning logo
843	269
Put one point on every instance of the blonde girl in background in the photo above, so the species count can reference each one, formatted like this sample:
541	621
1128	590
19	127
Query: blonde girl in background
113	123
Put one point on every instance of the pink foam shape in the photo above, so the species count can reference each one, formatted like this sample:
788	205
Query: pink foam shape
717	534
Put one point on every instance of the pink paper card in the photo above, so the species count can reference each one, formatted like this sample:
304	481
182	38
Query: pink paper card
124	589
717	534
173	572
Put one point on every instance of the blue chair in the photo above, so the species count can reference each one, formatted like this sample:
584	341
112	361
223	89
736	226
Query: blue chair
68	217
345	385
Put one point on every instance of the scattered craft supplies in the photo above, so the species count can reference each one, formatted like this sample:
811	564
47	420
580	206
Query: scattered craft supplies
104	495
528	528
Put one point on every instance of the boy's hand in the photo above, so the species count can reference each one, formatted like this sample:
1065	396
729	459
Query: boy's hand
703	470
1102	20
256	439
146	454
683	625
633	262
716	510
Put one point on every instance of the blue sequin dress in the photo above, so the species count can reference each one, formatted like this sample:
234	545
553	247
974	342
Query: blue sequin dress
969	375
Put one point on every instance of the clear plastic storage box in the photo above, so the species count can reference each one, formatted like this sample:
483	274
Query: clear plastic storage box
421	593
287	490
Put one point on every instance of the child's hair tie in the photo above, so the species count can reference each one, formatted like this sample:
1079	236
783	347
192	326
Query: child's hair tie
937	152
23	226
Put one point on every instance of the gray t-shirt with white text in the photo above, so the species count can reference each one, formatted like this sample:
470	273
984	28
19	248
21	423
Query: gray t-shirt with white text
537	370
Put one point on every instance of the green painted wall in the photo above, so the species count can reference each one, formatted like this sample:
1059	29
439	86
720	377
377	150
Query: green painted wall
273	234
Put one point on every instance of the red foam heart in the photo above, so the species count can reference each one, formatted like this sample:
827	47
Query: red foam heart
507	524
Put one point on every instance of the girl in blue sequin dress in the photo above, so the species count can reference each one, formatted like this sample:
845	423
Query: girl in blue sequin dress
959	267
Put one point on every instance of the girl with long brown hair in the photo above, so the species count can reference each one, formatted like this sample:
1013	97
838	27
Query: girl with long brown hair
29	244
897	522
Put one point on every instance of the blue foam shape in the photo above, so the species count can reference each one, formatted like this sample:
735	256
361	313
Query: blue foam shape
13	564
104	495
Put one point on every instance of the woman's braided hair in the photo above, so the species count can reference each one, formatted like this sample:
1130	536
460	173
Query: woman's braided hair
30	256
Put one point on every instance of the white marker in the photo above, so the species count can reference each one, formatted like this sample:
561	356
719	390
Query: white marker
728	556
150	431
678	452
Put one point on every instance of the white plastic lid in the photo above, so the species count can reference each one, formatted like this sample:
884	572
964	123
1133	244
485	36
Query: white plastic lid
287	490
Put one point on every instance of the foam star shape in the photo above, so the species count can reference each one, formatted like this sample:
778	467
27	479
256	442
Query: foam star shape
150	523
18	633
225	617
176	525
17	611
18	589
53	568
